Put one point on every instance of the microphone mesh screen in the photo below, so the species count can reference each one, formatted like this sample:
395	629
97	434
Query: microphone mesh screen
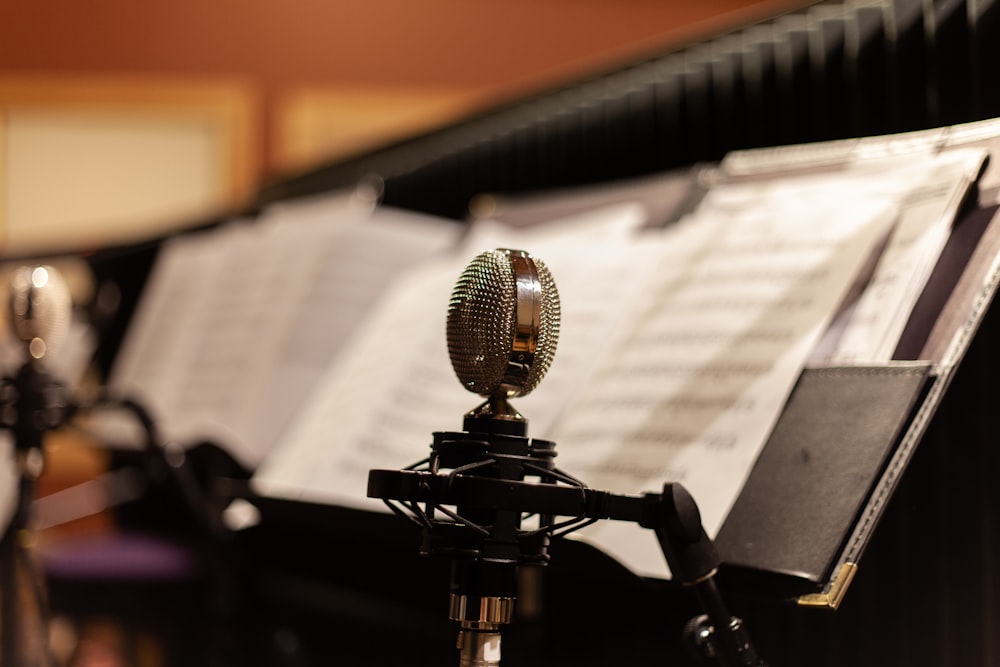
481	322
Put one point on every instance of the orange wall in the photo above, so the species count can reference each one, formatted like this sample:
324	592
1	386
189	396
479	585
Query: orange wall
496	47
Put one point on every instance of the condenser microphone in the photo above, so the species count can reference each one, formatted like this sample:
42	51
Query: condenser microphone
471	494
40	308
40	313
502	329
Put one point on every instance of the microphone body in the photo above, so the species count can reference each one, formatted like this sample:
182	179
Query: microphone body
502	330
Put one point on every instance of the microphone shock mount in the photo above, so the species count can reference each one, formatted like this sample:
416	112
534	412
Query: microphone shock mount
485	541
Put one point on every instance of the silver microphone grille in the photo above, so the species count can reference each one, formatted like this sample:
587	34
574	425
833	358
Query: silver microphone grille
503	323
40	308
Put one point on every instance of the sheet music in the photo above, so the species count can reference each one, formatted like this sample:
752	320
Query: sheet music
393	385
929	186
920	233
693	392
678	347
621	296
239	322
234	362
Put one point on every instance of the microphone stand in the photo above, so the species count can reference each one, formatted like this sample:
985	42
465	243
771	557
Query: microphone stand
32	403
488	467
674	517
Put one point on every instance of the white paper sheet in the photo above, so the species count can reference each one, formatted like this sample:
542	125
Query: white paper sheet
677	350
238	323
693	392
723	284
393	385
924	223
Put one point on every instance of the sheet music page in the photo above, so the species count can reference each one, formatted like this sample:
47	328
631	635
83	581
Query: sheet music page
238	323
166	322
926	215
384	398
327	451
393	385
343	280
677	352
693	392
868	330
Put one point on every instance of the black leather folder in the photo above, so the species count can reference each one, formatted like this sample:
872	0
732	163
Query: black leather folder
814	481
